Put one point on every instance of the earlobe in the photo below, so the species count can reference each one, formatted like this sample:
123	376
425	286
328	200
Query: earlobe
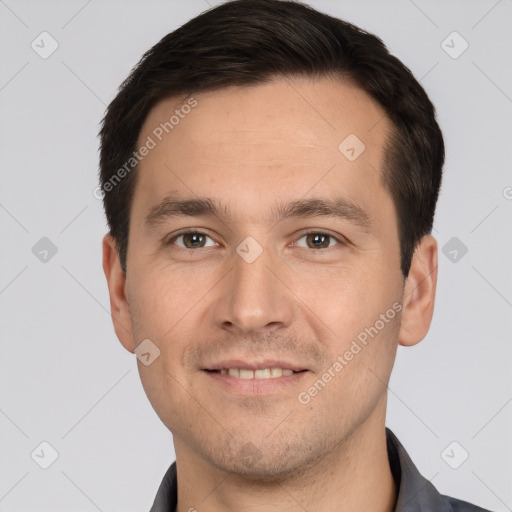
119	306
419	293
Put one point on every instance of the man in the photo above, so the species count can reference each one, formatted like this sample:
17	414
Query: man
270	177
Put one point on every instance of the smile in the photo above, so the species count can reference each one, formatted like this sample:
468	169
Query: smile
263	373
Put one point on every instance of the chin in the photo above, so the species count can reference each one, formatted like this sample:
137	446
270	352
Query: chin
270	465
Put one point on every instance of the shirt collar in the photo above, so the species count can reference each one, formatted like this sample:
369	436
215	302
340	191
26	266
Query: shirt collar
415	493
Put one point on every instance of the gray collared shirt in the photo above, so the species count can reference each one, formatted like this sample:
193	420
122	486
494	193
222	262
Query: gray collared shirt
415	493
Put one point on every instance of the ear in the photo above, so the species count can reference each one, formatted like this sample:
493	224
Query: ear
119	306
419	293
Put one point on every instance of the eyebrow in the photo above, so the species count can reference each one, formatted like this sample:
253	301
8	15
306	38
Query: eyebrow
338	208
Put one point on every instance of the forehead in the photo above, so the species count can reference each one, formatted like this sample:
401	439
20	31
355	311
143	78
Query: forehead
284	138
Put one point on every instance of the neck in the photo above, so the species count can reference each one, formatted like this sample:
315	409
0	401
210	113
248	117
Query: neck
356	475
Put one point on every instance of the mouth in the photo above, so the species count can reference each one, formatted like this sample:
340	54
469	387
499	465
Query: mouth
255	379
258	374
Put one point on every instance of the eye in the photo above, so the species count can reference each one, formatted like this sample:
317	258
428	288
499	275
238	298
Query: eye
318	240
196	240
191	240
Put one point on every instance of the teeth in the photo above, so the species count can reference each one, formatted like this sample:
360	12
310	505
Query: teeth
246	374
276	372
264	373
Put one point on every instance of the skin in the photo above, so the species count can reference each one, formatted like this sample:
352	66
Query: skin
248	148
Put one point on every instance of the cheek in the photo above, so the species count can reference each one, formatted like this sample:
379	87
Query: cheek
347	304
340	298
163	314
168	310
162	301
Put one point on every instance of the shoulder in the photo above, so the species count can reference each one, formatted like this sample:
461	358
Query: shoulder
415	492
463	506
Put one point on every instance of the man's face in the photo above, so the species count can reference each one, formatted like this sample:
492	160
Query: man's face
296	294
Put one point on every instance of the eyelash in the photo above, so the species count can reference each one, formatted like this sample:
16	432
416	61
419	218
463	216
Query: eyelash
341	240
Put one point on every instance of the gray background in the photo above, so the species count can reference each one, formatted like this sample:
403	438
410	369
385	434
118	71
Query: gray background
64	377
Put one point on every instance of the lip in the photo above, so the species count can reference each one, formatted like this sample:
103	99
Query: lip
260	365
255	387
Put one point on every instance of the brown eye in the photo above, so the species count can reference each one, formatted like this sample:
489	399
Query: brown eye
317	240
191	240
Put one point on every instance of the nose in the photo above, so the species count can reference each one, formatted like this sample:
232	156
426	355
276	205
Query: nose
254	298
